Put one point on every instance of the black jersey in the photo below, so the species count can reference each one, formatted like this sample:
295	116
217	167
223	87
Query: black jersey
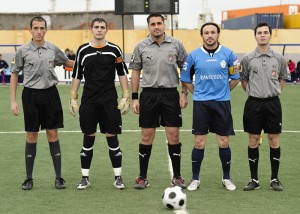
98	66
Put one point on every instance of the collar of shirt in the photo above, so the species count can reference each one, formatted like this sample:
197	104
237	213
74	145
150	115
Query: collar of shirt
269	53
34	47
166	39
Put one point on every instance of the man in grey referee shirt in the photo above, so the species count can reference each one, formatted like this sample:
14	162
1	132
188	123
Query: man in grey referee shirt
263	76
41	102
160	104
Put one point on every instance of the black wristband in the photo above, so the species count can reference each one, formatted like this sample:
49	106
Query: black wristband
135	96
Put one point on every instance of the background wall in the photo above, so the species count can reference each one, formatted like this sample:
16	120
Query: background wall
240	41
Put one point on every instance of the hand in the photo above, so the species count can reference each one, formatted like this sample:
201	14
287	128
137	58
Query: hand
73	104
15	108
73	107
136	106
124	104
183	101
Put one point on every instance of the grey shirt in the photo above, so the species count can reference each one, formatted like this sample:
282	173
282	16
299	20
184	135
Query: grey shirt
263	72
37	64
158	62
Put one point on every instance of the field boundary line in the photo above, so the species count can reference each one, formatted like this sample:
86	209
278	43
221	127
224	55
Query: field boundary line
134	130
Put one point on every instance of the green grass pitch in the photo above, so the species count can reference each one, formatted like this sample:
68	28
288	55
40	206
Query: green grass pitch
102	197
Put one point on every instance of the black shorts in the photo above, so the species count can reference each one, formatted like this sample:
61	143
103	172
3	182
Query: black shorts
262	114
212	116
160	107
106	114
42	109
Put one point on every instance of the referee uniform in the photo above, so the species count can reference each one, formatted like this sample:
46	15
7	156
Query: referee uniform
41	102
263	109
159	99
262	75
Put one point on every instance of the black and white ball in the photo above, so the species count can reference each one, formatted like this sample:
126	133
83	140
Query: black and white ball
174	198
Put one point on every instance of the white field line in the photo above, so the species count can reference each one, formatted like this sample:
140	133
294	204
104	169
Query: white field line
136	130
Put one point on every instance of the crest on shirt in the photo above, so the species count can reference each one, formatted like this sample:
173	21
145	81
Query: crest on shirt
172	57
51	64
223	64
185	64
132	58
274	73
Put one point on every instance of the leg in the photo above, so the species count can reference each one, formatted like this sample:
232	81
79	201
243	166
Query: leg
148	135
174	149
30	153
115	155
198	155
55	152
197	158
145	149
3	77
225	156
86	156
54	146
275	161
274	154
253	158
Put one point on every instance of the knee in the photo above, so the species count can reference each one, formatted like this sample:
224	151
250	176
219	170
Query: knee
52	135
199	143
273	141
223	141
31	137
88	142
113	142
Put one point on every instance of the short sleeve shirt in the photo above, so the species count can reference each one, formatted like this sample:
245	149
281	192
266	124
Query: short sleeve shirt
263	72
158	63
37	64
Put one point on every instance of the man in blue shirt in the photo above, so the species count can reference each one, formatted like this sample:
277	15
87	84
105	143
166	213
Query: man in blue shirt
215	69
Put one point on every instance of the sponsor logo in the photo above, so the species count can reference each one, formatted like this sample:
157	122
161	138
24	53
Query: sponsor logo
211	77
82	154
118	154
252	160
142	155
211	60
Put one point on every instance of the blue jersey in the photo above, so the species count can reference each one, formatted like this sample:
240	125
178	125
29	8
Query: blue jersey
211	73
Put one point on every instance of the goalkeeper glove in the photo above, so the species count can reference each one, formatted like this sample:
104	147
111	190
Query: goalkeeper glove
124	104
73	104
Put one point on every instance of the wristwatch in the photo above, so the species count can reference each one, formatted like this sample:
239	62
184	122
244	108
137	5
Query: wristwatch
185	92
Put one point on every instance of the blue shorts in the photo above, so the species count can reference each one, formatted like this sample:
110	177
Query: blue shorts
160	107
106	114
212	116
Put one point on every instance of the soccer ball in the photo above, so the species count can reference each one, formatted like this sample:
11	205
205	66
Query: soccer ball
174	198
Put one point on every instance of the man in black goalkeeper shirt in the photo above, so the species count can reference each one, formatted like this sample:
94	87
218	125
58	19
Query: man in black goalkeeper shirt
97	61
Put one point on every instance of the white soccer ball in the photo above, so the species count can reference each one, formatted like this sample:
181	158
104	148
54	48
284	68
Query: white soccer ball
174	198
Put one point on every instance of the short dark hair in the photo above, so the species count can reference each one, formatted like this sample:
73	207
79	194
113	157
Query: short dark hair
209	23
98	20
155	15
39	19
262	24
